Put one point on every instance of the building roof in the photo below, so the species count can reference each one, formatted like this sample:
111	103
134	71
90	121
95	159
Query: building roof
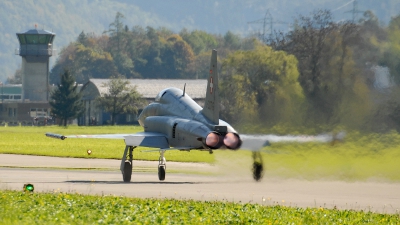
8	89
36	31
149	88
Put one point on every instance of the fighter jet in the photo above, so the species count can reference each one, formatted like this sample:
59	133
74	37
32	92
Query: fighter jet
174	121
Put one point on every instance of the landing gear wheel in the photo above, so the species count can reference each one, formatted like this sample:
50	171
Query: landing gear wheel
258	171
161	172
127	172
258	168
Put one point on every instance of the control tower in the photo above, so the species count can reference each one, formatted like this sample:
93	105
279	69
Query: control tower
36	47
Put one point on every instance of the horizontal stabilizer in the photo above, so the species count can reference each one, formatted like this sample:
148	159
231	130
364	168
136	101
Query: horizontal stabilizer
323	138
254	145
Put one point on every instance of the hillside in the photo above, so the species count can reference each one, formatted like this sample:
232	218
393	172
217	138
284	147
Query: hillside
68	18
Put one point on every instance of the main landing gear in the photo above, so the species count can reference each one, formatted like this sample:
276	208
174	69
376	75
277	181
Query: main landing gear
126	163
258	168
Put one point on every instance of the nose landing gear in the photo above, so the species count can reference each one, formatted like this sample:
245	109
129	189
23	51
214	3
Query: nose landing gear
162	166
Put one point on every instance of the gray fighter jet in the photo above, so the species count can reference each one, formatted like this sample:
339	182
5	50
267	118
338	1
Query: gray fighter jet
176	122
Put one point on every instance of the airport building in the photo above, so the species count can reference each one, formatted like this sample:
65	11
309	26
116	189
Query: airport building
29	102
148	88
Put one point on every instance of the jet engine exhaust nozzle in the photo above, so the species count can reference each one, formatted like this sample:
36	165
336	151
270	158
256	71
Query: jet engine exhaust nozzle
213	140
232	141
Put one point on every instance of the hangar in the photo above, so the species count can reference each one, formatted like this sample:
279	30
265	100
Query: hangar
148	88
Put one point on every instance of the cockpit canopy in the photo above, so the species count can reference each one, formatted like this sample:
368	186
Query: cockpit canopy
159	95
170	91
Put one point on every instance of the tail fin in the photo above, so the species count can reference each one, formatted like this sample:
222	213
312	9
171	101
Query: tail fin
211	106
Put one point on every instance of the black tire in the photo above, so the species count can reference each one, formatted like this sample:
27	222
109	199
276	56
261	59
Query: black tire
258	171
161	173
127	172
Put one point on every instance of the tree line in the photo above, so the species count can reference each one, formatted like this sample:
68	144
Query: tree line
319	73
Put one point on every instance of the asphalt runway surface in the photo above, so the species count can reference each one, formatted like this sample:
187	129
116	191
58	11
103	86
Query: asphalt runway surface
191	181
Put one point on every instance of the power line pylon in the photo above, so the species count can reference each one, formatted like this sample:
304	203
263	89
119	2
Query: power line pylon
355	11
268	24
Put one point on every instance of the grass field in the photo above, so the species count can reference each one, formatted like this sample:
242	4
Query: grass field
359	157
66	208
32	141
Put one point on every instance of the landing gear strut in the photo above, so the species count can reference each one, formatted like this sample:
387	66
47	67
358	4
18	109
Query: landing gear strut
126	163
162	166
258	168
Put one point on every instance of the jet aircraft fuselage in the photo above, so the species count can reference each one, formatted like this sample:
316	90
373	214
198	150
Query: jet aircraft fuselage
180	119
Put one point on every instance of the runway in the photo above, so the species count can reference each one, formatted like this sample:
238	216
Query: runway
191	181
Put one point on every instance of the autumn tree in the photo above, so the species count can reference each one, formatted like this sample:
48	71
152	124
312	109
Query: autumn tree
261	82
66	101
178	58
200	41
85	61
391	57
121	98
329	74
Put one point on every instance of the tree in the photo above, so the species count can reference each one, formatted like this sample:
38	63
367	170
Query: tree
177	58
329	75
16	79
263	81
200	41
65	101
391	57
121	98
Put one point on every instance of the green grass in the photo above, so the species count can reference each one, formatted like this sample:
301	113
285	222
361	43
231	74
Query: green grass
66	208
360	157
32	141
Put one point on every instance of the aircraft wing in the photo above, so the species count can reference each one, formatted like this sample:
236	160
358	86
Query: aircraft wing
256	142
145	139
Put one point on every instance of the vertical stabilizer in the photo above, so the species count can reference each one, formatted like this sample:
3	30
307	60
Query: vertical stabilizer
211	106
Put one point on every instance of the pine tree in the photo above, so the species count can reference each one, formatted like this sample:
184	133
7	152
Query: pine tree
65	101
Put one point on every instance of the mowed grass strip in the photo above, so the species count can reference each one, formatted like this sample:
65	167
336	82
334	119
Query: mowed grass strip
65	208
362	156
32	141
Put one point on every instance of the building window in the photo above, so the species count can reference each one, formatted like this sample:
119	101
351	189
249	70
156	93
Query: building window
12	112
37	112
32	38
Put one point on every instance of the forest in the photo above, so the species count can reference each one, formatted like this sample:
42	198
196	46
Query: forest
68	18
322	74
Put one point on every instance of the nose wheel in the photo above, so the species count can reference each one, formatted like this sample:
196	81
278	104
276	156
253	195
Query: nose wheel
162	166
258	167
